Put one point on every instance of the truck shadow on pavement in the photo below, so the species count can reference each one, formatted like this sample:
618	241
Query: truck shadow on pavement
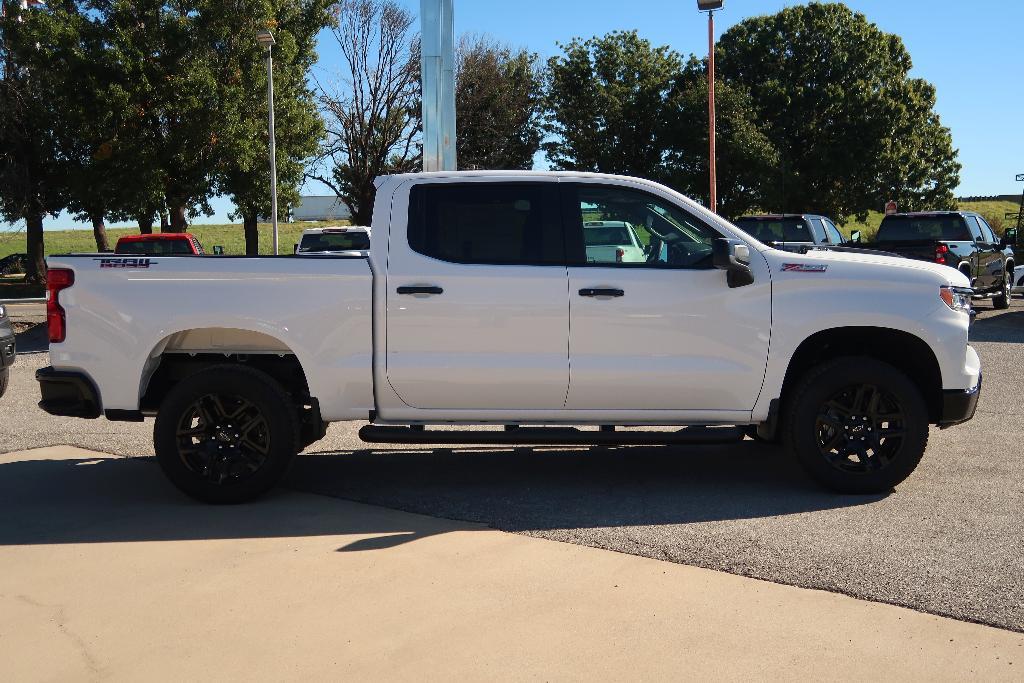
1006	328
522	489
108	499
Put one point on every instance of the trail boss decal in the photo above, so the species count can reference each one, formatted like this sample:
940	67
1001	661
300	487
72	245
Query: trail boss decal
124	262
804	268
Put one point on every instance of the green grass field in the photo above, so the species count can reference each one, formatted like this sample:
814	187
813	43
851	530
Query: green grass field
230	236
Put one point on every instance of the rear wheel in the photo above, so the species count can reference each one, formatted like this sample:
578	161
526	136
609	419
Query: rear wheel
226	434
1002	300
857	425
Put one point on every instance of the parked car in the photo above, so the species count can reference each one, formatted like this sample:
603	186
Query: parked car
13	263
473	305
796	232
958	239
7	349
608	241
352	239
160	244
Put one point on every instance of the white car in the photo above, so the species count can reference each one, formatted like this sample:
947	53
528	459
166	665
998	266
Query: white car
1018	281
478	304
612	241
352	240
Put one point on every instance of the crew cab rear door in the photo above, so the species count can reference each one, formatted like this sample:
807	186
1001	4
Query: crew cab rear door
477	300
665	334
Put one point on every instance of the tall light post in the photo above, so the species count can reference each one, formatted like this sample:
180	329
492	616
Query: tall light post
710	6
266	39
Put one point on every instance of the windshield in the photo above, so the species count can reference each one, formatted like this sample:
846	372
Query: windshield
335	241
606	236
776	229
911	228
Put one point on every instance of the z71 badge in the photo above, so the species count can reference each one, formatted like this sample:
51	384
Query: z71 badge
124	262
804	268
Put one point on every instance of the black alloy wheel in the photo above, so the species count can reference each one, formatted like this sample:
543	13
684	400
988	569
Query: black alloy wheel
856	424
226	434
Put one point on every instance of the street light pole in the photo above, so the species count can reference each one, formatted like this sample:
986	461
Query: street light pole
266	39
710	6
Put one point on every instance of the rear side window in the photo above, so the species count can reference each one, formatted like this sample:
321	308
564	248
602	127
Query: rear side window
497	223
911	228
986	231
819	230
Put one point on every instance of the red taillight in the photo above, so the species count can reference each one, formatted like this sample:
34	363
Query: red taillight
619	253
56	280
940	253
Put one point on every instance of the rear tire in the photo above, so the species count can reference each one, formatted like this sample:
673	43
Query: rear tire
226	434
857	425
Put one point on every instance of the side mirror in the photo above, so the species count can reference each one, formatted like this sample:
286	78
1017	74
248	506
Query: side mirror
733	257
855	236
218	250
1009	238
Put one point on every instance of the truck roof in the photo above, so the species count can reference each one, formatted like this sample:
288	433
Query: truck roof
336	228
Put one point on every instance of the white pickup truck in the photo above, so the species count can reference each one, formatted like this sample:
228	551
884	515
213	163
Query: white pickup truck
478	305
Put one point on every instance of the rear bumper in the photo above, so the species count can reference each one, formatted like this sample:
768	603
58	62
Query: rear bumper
958	405
67	394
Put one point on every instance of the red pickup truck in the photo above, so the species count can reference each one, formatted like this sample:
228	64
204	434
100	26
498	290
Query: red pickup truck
160	244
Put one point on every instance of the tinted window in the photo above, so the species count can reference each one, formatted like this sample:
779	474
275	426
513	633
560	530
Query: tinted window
910	228
156	247
834	235
986	231
776	229
335	241
975	228
819	230
641	230
513	223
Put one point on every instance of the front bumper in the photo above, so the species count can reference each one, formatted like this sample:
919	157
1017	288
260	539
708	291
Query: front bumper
958	405
67	394
7	351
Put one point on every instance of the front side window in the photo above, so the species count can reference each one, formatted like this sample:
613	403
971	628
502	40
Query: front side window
617	226
986	231
495	223
834	236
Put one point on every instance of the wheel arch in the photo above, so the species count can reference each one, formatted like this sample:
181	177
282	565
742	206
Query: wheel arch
185	352
903	350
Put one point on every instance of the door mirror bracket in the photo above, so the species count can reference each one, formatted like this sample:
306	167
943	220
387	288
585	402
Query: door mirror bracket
733	256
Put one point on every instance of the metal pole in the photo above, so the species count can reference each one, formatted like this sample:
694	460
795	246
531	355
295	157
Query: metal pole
713	194
273	145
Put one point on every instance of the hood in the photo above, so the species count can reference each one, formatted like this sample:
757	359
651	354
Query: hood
895	267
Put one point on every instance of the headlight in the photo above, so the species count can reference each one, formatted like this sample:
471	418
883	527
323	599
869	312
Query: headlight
957	298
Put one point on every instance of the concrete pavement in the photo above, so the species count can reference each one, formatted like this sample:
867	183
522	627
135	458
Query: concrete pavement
106	572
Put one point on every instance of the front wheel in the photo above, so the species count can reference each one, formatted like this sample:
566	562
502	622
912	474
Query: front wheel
857	425
226	434
1001	301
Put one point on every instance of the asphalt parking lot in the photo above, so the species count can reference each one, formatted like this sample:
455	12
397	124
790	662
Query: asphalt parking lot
948	541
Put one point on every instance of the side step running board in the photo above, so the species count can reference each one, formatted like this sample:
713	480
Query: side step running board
549	436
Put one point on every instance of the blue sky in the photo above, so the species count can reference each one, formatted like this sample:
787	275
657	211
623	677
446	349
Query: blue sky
968	50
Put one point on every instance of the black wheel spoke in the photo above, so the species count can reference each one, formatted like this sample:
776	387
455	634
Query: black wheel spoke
860	428
223	438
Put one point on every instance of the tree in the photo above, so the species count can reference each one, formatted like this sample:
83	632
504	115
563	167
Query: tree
498	105
374	113
29	170
243	170
745	156
608	105
833	96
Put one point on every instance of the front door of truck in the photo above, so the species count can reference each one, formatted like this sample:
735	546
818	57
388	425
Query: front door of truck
667	333
477	301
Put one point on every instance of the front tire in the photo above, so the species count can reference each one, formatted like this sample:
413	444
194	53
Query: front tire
226	434
1001	301
857	425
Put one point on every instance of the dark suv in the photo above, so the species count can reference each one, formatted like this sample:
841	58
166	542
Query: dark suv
959	239
793	231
